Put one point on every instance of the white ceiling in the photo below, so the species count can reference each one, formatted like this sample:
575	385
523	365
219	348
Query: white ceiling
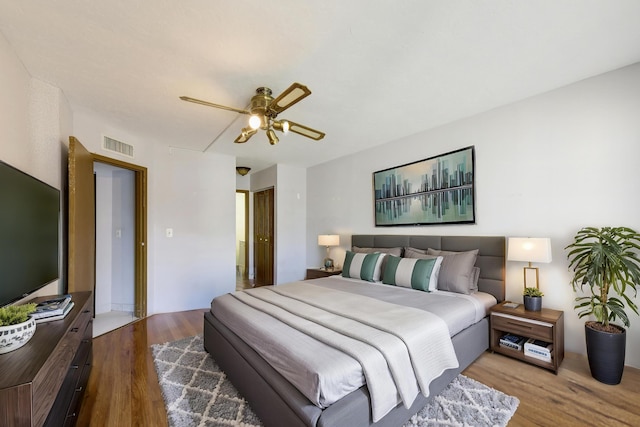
379	70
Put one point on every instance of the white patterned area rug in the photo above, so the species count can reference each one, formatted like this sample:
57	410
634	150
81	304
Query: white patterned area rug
197	393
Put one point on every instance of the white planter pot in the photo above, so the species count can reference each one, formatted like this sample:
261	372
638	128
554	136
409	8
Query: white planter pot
13	337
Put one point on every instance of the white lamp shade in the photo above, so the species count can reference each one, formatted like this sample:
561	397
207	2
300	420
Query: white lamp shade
529	249
328	240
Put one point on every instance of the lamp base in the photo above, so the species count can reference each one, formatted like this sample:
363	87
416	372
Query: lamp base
531	277
328	263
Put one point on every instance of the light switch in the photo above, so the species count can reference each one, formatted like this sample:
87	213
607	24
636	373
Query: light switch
169	232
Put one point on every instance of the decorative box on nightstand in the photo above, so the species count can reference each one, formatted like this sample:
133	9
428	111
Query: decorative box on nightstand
316	273
546	325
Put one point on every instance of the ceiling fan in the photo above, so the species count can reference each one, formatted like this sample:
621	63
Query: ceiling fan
264	110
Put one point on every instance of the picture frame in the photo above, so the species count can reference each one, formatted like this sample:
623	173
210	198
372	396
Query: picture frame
433	191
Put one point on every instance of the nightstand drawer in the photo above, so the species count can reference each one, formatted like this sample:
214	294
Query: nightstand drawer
525	327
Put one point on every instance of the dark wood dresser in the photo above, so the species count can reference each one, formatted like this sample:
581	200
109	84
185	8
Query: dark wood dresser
42	383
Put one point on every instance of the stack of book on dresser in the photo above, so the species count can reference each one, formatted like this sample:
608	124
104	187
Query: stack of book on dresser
538	349
512	341
53	309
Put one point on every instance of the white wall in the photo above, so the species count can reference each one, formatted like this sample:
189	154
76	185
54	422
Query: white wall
104	239
291	208
195	196
35	120
115	239
545	167
192	193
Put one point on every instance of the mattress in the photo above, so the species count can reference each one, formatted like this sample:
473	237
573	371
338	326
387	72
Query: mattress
322	373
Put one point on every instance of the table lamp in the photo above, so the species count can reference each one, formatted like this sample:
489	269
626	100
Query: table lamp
328	240
529	249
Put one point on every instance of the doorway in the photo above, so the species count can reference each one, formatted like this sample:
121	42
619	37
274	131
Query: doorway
263	235
242	240
81	260
129	291
115	244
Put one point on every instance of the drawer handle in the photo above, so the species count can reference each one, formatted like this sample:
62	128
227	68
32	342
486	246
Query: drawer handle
75	329
86	311
520	325
79	389
85	341
75	366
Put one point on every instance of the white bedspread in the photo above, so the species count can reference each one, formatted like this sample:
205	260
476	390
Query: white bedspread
400	349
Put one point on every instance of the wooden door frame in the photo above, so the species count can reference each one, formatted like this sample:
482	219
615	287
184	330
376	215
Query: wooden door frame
140	207
245	273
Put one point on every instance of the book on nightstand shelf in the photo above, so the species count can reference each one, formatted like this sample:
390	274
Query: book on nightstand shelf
512	341
538	349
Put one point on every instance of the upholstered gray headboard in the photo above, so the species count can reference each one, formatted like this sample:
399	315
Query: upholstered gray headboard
491	253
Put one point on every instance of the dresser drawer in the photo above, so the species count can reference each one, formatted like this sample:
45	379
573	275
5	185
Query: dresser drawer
520	326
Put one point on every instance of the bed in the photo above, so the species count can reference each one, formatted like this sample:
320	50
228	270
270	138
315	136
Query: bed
277	402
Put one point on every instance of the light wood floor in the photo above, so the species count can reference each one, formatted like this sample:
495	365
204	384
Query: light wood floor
123	388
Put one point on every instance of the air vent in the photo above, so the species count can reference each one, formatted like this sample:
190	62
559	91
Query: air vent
116	146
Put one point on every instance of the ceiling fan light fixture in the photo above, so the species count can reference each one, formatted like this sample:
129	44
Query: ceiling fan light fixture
264	109
245	135
242	170
281	125
255	122
273	139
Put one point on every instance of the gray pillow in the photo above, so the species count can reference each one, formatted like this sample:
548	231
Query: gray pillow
456	271
410	252
397	251
475	275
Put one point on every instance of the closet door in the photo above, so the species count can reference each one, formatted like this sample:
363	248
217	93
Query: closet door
263	230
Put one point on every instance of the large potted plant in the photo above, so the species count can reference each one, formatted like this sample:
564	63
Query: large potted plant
605	260
16	326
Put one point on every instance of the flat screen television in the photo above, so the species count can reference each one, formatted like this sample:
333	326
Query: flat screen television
29	234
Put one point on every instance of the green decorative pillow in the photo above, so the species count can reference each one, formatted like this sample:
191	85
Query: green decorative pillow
362	266
422	254
397	251
410	272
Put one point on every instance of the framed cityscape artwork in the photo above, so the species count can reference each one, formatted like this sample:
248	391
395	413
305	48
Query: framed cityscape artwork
437	190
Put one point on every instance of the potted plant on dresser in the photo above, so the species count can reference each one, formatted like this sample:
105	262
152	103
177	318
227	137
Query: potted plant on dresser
605	260
16	326
532	299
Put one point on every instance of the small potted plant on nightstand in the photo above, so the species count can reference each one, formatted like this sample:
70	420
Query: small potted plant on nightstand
16	326
532	299
606	261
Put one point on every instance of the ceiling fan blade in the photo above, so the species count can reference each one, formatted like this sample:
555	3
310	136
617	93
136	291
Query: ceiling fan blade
290	96
305	131
245	135
211	104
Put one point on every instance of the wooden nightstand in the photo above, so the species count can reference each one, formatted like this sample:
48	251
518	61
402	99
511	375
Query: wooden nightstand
316	273
546	325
